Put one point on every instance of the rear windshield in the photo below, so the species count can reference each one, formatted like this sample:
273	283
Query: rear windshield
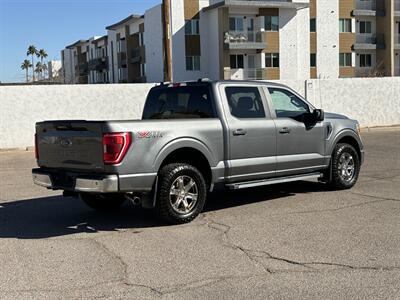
184	102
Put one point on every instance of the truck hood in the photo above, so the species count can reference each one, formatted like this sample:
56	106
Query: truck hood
329	115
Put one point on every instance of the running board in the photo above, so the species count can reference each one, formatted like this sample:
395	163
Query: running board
250	184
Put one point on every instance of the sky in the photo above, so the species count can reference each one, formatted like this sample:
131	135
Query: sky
54	24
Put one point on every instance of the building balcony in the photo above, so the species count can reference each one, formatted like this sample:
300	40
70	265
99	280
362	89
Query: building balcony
397	41
369	8
397	71
251	74
244	40
83	68
397	7
98	64
121	56
136	55
369	41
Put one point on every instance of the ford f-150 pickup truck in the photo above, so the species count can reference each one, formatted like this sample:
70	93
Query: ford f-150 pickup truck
192	137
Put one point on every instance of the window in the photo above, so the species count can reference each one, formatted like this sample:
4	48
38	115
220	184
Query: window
236	24
365	27
287	104
365	60
272	60
345	25
192	27
313	60
184	102
245	102
313	25
142	70
345	59
271	23
192	63
236	61
141	38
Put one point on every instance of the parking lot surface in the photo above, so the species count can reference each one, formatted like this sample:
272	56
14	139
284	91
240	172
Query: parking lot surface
292	241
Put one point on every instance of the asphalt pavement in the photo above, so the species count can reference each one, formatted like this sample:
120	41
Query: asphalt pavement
289	241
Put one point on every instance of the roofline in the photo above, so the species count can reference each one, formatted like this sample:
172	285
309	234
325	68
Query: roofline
256	3
76	44
104	37
127	19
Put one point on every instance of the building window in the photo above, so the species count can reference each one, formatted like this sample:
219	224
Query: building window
272	60
271	23
365	27
142	70
192	27
365	60
345	25
237	61
236	24
192	63
313	60
345	59
141	39
313	25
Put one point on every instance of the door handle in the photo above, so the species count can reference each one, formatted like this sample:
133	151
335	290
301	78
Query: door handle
284	130
239	132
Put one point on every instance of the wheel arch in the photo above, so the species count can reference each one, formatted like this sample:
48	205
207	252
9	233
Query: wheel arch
189	151
348	137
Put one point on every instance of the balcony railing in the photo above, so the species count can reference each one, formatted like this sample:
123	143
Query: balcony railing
244	74
397	39
245	39
136	55
397	5
98	64
369	41
366	5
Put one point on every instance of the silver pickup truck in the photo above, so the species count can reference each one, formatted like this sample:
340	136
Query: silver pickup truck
192	137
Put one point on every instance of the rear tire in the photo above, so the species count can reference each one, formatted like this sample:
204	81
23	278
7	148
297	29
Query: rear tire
181	194
345	167
103	202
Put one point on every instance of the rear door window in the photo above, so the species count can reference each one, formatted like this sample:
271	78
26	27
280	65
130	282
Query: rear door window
245	102
184	102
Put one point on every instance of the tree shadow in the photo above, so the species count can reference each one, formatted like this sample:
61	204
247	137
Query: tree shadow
57	216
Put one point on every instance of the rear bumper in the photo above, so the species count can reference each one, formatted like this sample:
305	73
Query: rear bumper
56	179
102	184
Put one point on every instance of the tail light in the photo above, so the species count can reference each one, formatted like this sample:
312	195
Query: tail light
36	147
115	146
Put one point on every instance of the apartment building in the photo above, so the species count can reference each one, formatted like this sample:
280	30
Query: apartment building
243	39
98	60
127	58
234	39
353	38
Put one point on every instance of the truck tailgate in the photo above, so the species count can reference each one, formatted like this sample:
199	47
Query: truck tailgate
70	145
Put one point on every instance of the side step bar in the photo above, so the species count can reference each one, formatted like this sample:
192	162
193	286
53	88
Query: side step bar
249	184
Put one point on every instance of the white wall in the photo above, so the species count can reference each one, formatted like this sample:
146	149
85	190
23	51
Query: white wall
374	102
153	39
23	106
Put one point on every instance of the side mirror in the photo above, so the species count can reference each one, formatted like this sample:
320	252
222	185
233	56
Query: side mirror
319	115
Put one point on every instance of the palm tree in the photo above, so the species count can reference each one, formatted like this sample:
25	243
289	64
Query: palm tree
42	54
44	69
25	66
39	68
32	51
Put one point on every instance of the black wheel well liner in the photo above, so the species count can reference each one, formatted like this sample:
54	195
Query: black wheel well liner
351	141
193	157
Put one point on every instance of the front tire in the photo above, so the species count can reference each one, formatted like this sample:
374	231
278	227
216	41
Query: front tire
103	202
181	194
345	167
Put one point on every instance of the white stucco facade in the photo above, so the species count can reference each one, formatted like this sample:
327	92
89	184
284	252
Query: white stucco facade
327	39
153	39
